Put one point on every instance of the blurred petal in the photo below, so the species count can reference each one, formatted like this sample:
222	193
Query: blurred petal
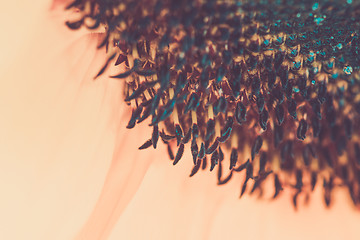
62	133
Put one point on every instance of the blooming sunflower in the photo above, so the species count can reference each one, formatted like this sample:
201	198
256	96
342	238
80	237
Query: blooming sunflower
260	93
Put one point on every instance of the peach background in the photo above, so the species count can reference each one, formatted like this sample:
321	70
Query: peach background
70	170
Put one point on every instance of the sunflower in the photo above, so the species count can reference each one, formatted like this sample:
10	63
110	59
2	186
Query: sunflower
72	169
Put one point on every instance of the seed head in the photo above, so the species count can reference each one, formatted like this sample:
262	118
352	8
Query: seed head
275	85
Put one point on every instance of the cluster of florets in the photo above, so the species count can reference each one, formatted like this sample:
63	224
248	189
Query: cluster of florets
275	85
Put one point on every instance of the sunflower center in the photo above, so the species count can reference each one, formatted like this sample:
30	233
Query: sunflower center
275	85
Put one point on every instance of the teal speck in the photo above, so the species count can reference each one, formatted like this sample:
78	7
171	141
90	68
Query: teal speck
315	6
348	70
341	102
318	20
